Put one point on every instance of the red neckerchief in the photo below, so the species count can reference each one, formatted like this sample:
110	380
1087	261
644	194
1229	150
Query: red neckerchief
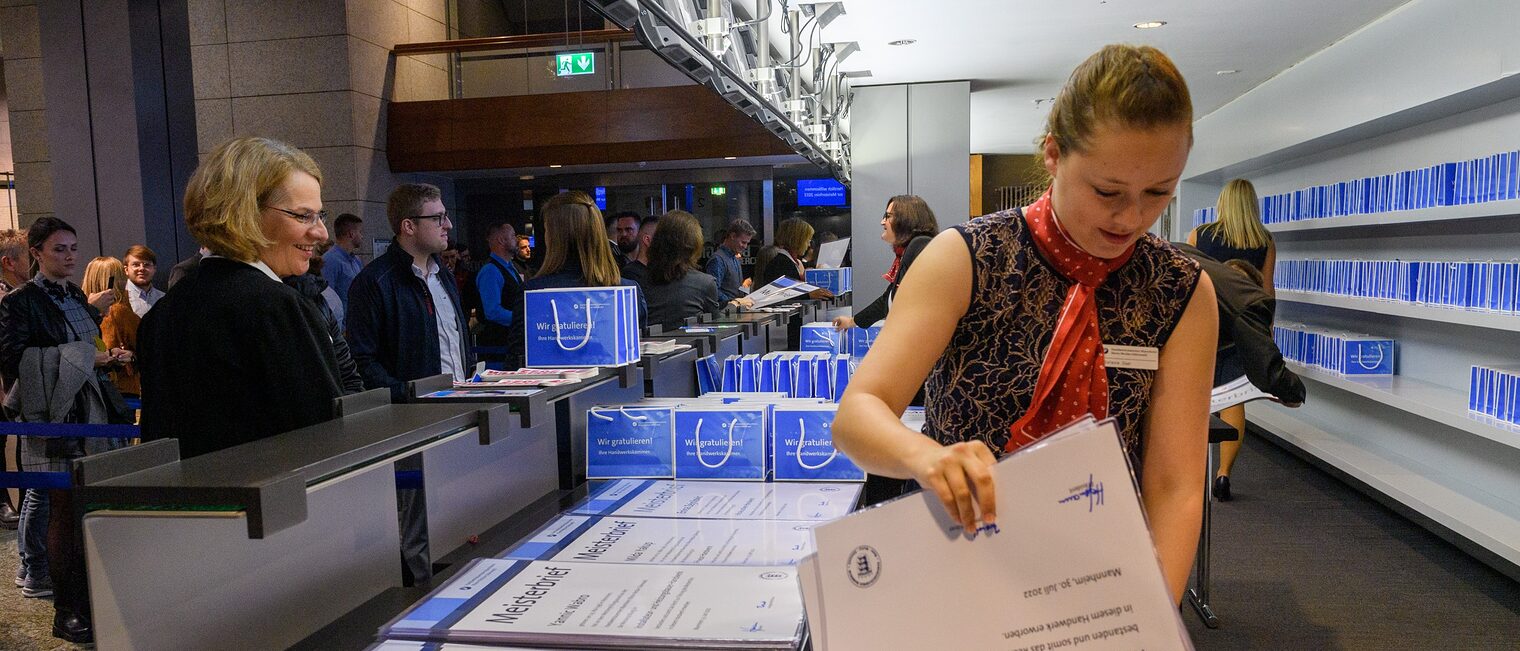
891	274
1073	381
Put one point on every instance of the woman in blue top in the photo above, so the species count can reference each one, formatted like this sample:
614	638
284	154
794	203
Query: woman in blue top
1238	235
575	250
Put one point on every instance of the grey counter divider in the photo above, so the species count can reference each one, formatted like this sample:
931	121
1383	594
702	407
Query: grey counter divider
704	344
259	545
611	385
755	325
670	375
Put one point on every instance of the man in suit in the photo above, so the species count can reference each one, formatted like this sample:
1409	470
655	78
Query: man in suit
499	288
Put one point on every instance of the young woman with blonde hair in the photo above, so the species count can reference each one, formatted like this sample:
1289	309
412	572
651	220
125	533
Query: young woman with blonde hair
118	329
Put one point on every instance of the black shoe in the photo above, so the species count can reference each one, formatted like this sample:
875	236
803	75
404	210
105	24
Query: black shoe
1222	488
73	628
8	516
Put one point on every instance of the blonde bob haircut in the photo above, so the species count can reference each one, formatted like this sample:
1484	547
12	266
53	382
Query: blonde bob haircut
230	189
573	229
98	275
1239	222
794	235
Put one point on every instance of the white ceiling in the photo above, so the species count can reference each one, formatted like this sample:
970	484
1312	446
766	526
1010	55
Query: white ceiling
1017	51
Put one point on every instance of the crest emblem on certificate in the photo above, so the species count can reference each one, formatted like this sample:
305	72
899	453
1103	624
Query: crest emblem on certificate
864	566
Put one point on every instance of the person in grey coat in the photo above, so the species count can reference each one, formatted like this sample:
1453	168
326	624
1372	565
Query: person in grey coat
673	286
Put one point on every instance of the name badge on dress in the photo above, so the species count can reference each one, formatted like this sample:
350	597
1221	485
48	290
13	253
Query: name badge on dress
1145	358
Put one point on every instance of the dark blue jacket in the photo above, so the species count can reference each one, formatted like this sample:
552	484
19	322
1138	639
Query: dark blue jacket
392	331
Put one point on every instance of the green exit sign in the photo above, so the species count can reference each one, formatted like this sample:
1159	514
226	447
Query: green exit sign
574	63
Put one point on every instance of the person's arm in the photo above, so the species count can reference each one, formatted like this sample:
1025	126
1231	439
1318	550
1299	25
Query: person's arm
1192	238
488	283
1176	437
1268	267
716	269
15	332
1263	361
366	321
348	371
868	315
868	427
709	296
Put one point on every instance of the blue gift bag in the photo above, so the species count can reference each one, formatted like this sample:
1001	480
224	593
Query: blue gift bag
834	280
708	375
1366	356
630	442
749	372
861	340
720	441
802	444
581	326
820	336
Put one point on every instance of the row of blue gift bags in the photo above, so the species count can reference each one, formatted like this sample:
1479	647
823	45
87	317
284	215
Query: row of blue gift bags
581	326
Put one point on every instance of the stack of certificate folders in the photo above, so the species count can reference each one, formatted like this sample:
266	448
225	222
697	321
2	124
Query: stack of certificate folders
1495	392
1478	180
640	564
1339	352
746	436
1481	285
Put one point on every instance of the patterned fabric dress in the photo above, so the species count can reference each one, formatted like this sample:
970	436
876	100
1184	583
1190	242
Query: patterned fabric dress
986	378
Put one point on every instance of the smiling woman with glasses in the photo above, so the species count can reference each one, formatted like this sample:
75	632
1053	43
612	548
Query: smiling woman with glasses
231	354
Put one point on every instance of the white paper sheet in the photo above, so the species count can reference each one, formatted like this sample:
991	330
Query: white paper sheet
1235	392
1071	564
663	498
667	541
553	603
779	290
831	254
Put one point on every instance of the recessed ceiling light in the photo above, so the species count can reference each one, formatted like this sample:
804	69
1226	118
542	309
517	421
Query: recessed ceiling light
730	157
1226	72
903	41
1150	24
525	177
556	166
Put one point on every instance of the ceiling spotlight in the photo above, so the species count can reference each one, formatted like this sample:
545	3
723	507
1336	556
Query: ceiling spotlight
1150	24
556	166
1226	72
903	41
525	177
730	158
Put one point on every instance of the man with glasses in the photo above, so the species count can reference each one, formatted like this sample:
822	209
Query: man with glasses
405	323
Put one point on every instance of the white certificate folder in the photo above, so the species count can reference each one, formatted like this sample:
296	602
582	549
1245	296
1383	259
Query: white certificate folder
565	604
1070	566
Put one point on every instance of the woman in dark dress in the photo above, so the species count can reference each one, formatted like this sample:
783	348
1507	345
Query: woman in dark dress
907	226
1238	235
1007	316
231	354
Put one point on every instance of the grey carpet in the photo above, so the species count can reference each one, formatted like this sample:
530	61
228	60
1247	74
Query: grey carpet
1302	561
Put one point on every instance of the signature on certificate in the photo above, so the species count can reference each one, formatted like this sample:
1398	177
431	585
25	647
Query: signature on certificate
1093	492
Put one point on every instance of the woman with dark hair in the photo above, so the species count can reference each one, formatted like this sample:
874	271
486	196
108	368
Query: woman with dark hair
673	285
907	226
45	324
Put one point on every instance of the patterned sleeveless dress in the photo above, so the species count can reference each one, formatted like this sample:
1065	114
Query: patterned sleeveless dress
986	378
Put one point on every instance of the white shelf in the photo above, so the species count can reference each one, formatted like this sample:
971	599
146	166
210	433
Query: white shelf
1492	523
1495	321
1429	401
1420	216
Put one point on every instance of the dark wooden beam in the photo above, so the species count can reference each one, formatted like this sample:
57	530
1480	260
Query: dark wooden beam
614	126
523	41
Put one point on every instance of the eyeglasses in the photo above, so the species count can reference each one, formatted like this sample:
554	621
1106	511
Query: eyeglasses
440	217
306	219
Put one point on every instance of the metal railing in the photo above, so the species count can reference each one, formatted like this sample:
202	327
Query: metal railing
1007	197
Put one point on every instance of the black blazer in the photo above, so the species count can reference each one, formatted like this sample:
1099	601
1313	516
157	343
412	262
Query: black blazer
1245	325
231	356
779	266
671	303
878	308
392	331
30	319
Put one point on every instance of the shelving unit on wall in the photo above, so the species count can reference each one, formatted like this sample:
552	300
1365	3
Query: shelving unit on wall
1409	440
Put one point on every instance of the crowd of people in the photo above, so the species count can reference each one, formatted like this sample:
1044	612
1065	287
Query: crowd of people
999	329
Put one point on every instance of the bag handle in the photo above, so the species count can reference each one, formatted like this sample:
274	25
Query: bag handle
726	455
554	308
801	438
622	409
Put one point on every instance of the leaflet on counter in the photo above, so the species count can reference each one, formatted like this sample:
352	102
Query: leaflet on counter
1235	392
667	541
1070	563
566	603
664	498
779	290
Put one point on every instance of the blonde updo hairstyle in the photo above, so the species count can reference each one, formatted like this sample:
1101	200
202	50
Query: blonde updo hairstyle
229	190
1128	86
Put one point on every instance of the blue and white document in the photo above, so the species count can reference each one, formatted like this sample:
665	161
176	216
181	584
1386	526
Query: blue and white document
667	541
605	605
1069	565
661	498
